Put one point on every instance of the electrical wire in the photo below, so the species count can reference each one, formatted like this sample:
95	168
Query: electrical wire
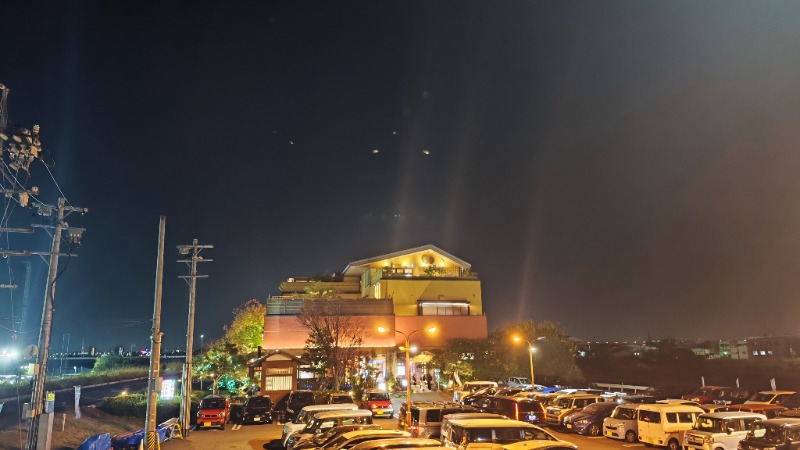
55	182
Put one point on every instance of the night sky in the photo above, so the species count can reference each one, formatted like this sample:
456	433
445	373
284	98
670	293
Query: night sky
627	169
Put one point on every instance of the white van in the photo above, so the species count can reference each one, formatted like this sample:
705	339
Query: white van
306	414
490	434
470	387
720	431
622	423
664	424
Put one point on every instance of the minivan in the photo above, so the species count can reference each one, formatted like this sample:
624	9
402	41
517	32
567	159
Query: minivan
491	434
426	417
663	424
378	402
214	411
719	431
771	397
517	408
622	423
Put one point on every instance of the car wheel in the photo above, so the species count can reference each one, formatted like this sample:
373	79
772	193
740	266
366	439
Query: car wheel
630	436
673	445
594	430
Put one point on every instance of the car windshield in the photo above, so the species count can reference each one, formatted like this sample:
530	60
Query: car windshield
710	425
702	391
378	396
624	414
258	401
341	398
595	408
565	403
303	397
212	403
761	397
523	381
768	433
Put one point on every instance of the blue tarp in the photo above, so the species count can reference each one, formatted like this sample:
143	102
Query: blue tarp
132	439
97	442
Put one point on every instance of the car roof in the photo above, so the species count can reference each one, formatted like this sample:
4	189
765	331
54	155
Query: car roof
491	423
539	444
781	422
358	433
747	406
775	392
346	413
732	415
474	415
343	406
669	407
397	443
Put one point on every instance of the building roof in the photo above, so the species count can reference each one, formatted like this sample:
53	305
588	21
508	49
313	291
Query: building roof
357	267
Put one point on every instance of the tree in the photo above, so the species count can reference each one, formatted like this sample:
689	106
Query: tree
247	328
334	338
222	361
556	356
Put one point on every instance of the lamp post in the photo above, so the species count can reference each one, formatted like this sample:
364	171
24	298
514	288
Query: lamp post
201	341
408	366
530	352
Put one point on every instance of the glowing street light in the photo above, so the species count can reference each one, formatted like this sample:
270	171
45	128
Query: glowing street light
531	349
408	366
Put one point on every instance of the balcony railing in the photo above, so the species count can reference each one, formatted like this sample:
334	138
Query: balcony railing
291	306
426	272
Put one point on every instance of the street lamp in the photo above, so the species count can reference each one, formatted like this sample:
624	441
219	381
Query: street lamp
408	367
201	341
531	349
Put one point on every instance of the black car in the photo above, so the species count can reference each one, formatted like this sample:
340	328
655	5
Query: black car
516	408
589	420
296	401
257	409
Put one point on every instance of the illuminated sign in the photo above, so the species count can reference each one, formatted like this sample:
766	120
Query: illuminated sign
167	389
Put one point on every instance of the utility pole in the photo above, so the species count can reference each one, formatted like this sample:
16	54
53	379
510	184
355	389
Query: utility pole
154	385
40	369
186	395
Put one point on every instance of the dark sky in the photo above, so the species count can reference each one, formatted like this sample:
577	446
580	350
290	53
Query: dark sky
627	169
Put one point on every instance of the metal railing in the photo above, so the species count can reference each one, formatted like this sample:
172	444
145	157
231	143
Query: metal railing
291	306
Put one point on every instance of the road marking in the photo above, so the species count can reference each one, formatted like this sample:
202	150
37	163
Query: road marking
632	445
236	427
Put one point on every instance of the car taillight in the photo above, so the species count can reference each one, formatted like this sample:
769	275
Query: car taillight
516	411
414	430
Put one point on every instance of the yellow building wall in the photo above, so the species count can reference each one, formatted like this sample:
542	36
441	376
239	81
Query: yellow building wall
405	293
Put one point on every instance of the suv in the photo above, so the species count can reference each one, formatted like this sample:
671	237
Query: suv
556	413
778	434
296	401
771	397
213	411
426	417
324	421
378	402
719	431
708	394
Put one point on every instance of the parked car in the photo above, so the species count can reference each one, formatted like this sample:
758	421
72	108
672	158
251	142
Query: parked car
540	445
523	409
461	416
488	434
771	397
777	434
426	417
556	413
664	424
708	394
296	401
470	387
766	409
719	431
348	440
637	398
622	423
324	421
306	415
396	443
338	397
257	409
589	420
519	382
715	407
213	411
378	402
320	440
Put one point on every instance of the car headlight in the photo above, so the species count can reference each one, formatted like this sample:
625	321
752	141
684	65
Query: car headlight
708	439
582	422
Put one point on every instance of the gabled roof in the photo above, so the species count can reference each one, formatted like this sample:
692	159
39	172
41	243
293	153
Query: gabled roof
281	355
353	267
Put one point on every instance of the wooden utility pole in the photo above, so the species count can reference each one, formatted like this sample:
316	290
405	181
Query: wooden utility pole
186	394
154	381
40	369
